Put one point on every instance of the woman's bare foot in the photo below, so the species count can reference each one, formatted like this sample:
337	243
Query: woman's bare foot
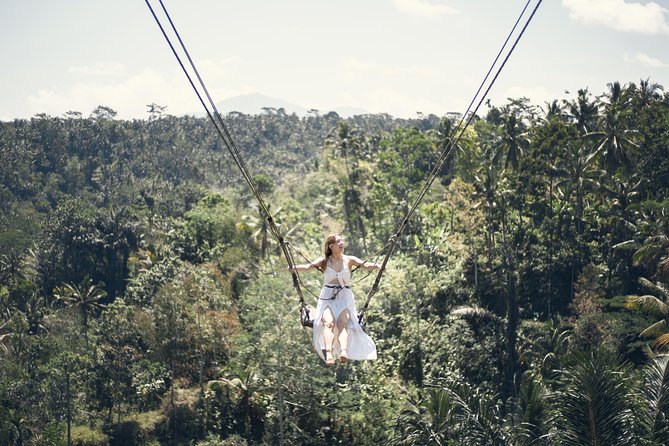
343	356
329	359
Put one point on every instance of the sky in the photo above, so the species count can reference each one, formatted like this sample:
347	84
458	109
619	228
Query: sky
401	57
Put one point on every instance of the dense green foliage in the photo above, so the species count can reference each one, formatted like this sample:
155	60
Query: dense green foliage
143	299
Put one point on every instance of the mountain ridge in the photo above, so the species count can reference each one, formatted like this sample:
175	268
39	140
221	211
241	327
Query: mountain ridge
254	103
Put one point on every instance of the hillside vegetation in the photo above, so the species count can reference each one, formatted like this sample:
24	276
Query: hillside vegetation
143	299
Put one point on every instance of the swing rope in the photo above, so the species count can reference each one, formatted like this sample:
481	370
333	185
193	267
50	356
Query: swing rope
217	120
467	119
230	145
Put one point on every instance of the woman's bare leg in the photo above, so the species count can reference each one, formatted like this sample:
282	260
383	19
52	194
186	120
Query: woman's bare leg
342	327
328	334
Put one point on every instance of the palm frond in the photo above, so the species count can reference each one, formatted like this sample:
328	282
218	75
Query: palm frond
661	342
596	403
654	287
625	245
657	329
647	304
529	416
655	390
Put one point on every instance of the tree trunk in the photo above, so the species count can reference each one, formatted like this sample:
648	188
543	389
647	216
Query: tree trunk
511	333
69	409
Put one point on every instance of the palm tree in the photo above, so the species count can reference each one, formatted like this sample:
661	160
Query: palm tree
261	235
4	336
654	251
19	425
578	165
655	392
647	93
553	109
583	112
513	137
34	312
595	403
528	419
427	422
117	239
492	184
85	297
444	139
478	416
349	142
614	138
657	306
245	383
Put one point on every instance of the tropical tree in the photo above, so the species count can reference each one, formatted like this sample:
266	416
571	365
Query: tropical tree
66	372
4	336
578	166
655	393
352	145
35	311
583	112
615	138
529	416
247	387
646	93
595	402
117	239
513	132
654	251
426	422
85	297
19	426
655	305
262	236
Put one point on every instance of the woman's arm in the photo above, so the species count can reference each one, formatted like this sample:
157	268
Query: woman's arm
307	266
364	264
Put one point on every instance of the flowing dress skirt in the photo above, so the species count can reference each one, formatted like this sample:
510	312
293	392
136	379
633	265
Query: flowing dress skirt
360	345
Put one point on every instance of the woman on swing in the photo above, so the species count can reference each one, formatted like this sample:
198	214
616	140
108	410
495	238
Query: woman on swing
337	332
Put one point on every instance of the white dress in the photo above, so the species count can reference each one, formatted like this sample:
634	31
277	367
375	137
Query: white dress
338	296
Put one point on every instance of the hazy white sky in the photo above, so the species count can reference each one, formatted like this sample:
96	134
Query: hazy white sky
393	56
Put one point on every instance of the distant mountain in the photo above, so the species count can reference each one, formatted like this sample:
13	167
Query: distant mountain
347	112
253	104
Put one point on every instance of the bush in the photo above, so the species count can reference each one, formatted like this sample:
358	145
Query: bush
126	433
213	440
87	436
180	425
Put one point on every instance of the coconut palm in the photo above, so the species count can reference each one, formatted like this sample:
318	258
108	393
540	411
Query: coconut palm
35	312
427	422
19	427
655	393
552	109
646	93
654	251
85	297
596	402
246	385
351	144
477	415
262	234
583	112
529	413
615	138
655	305
513	136
578	165
4	336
